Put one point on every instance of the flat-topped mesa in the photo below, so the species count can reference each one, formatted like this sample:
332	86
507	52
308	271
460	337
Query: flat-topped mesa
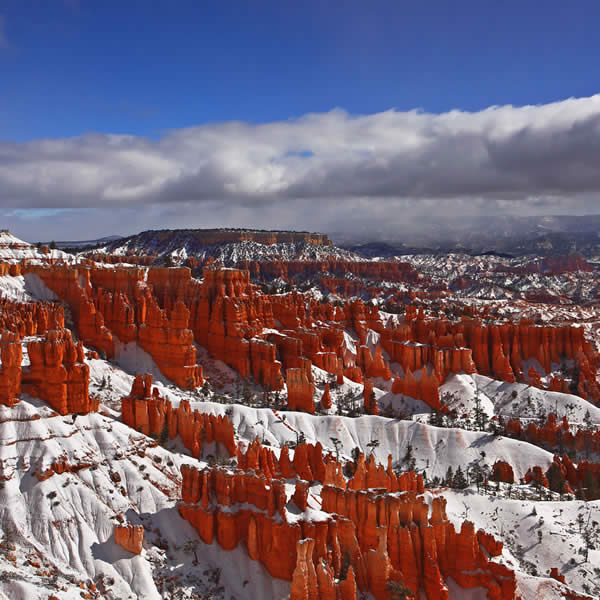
193	240
58	373
146	411
210	237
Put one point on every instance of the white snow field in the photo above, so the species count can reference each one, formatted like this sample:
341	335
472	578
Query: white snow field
65	523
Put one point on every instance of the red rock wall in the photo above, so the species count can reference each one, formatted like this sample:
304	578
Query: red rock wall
385	537
300	391
10	374
30	318
287	270
107	301
237	323
58	373
147	412
557	436
130	537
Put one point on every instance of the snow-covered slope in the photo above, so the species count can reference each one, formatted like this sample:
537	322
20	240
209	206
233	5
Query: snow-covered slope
25	288
62	527
178	245
13	249
59	530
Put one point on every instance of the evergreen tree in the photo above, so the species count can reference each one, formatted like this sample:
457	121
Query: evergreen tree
336	444
480	415
398	591
163	437
449	479
409	458
592	485
556	480
372	445
460	481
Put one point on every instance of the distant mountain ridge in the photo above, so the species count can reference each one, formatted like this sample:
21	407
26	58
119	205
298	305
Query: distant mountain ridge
498	234
86	243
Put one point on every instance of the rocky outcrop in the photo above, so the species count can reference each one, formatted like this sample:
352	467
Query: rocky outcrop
10	373
290	269
265	336
109	303
326	398
30	318
58	373
300	391
130	537
557	436
169	341
369	399
551	265
503	471
147	412
379	536
59	466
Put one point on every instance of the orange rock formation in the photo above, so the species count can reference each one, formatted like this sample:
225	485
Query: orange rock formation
147	412
130	537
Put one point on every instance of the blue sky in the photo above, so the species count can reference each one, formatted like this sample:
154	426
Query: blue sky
142	67
119	116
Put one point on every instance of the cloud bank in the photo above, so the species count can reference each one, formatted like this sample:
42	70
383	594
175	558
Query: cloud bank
328	167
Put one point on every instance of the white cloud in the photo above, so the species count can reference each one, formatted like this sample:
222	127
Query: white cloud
373	164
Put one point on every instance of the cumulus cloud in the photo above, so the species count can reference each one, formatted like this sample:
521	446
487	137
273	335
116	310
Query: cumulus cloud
329	166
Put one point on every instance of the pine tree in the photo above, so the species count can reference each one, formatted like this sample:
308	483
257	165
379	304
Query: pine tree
163	437
372	445
480	416
556	480
409	458
460	481
449	479
336	444
399	591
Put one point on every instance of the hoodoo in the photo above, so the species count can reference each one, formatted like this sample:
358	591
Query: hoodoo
338	426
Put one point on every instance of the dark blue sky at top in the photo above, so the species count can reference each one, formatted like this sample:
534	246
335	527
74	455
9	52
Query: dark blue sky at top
69	67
